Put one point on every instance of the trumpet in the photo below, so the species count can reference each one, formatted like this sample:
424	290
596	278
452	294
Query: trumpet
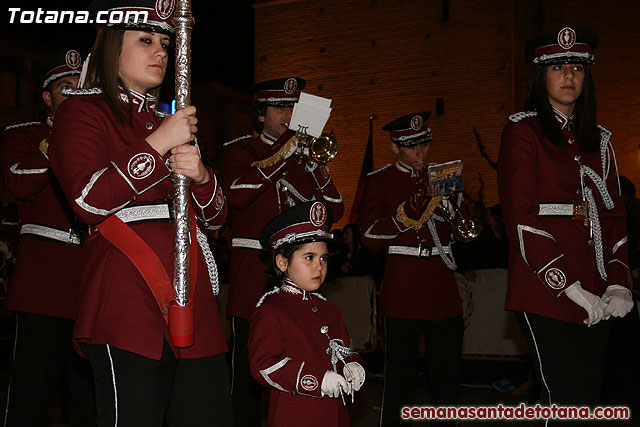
464	229
311	150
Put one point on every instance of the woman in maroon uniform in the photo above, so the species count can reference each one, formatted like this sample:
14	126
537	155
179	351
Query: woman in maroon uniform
298	344
565	219
113	156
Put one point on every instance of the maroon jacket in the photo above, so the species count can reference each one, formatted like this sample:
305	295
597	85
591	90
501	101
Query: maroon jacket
549	253
287	353
104	166
413	288
256	196
46	272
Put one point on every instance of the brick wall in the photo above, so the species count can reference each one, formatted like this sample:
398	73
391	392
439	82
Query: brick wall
395	57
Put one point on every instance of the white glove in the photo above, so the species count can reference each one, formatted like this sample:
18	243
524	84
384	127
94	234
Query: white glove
618	300
332	383
592	304
357	379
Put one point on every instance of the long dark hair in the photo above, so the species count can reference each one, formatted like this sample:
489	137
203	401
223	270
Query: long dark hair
585	111
103	71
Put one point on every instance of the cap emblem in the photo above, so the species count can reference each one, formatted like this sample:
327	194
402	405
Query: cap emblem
416	122
290	86
318	214
164	8
73	59
566	38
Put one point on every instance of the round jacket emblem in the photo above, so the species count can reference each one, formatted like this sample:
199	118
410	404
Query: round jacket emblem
219	201
416	122
141	165
555	278
290	86
566	38
318	214
164	8
309	382
73	59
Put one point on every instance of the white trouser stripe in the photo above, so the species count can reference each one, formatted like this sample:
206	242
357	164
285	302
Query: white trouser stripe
535	343
13	361
115	389
233	353
384	384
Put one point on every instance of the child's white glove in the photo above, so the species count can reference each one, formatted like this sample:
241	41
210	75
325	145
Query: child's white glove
332	383
358	377
618	300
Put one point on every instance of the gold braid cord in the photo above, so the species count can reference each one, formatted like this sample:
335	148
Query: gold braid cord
417	224
282	152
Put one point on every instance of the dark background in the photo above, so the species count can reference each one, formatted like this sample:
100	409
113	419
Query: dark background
222	38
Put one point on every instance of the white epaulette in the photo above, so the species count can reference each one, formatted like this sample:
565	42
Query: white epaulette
273	291
237	139
81	92
318	295
22	125
522	115
379	170
604	130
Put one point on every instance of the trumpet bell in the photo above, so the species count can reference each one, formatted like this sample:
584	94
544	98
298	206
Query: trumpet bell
467	230
324	148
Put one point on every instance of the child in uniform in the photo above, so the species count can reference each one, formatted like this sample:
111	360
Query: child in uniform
297	340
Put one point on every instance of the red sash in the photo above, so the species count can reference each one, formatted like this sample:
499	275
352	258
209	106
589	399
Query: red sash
122	236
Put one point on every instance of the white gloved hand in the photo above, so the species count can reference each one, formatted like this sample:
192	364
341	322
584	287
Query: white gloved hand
357	379
592	304
618	300
332	383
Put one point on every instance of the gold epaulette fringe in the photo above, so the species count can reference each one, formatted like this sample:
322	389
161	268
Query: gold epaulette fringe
282	152
417	224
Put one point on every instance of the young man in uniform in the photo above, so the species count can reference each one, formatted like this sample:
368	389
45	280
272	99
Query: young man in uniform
41	290
419	292
261	180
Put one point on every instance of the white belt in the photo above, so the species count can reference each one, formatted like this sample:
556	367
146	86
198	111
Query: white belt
241	242
417	251
556	209
70	237
577	209
144	213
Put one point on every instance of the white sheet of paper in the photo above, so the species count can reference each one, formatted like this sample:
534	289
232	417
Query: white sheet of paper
307	98
311	114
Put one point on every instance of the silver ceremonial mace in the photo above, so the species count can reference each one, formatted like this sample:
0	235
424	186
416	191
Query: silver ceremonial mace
183	24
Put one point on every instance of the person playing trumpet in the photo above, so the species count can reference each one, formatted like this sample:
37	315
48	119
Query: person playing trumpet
419	295
261	180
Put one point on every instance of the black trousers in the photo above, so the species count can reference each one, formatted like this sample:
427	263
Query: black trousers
245	390
43	351
443	341
133	391
568	359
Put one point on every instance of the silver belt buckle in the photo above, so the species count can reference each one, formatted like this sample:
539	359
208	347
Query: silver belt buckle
581	211
75	239
424	252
